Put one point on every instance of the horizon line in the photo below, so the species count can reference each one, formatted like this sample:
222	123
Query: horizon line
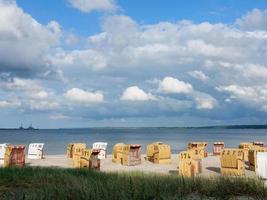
186	127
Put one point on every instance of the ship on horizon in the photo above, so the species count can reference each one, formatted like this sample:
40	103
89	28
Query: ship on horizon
29	128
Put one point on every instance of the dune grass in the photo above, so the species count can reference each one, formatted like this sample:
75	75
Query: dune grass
54	183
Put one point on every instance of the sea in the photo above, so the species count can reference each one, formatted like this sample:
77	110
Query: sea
56	140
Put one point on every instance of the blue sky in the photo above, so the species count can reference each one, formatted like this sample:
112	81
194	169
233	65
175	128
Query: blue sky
81	63
149	11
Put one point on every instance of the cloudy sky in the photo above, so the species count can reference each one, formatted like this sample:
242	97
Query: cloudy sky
84	63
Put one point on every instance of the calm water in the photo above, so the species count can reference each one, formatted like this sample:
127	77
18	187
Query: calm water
56	140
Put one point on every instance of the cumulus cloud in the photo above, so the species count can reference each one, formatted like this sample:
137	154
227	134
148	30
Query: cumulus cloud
124	43
81	96
253	20
134	93
255	96
198	75
91	5
173	85
24	38
204	101
126	52
80	58
29	87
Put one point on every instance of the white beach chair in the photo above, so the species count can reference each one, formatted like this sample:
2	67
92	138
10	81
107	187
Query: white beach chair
36	151
2	153
102	147
261	169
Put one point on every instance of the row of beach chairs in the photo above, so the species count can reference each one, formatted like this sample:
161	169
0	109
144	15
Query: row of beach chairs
124	154
232	160
14	155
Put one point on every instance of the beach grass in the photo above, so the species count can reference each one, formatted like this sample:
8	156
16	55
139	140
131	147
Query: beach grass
57	183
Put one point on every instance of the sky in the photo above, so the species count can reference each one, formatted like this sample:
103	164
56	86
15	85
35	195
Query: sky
99	63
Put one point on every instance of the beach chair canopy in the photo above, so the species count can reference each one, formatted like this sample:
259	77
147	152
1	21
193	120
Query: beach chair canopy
102	148
35	151
258	143
197	145
218	143
100	145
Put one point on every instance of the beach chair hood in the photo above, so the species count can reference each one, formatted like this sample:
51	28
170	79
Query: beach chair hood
35	151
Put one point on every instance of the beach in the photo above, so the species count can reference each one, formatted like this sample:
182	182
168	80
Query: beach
210	165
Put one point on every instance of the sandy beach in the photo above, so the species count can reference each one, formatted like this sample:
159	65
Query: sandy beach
210	165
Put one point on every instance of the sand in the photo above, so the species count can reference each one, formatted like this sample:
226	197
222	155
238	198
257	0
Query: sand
210	165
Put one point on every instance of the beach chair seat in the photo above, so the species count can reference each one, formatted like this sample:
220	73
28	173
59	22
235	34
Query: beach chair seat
71	148
77	153
246	146
159	153
117	153
36	151
89	159
188	165
232	162
127	154
14	155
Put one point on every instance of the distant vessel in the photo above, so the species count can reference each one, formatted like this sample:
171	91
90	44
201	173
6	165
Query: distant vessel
21	127
29	128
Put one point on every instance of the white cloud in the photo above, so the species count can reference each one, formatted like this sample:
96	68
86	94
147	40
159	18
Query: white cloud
80	58
198	75
24	38
126	52
134	93
253	20
84	97
38	95
91	5
43	105
246	70
10	103
202	48
29	87
255	96
125	45
71	39
204	101
173	85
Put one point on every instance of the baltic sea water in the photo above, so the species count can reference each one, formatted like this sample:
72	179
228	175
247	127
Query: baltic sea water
56	139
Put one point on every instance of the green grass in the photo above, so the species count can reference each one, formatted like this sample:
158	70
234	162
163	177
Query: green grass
53	183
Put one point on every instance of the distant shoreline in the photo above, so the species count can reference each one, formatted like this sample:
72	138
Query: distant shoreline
193	127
